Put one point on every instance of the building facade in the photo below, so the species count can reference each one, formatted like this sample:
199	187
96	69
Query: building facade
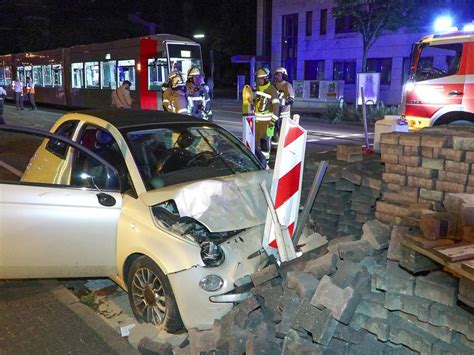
303	36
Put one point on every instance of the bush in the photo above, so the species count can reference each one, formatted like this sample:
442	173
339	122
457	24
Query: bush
335	112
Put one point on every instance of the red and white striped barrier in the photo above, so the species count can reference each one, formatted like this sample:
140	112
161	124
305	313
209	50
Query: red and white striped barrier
248	132
287	180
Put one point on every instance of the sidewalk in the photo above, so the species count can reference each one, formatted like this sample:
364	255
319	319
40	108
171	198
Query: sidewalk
43	317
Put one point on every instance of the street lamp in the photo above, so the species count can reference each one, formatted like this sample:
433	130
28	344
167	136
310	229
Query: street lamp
199	35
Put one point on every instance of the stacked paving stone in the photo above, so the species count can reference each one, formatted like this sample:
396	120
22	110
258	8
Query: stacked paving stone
343	298
421	169
348	194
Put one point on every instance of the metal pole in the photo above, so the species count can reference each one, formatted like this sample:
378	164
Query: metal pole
252	72
286	249
211	55
318	179
364	115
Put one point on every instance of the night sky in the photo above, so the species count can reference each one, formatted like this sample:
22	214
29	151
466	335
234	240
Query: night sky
31	25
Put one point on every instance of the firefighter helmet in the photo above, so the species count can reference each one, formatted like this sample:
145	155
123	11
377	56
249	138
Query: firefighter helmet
177	81
194	71
281	70
262	73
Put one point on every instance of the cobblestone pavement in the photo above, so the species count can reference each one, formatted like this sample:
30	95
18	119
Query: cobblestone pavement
43	317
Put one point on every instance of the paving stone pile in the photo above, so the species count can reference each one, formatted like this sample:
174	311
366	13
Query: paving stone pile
349	300
421	169
348	194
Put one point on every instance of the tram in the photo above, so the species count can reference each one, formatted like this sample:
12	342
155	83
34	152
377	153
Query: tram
84	76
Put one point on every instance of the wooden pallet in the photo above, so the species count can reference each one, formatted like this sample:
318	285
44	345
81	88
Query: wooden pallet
448	257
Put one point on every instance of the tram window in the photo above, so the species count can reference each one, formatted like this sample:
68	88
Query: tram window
8	75
20	73
38	75
57	75
2	76
108	74
28	72
184	56
47	76
77	72
157	73
126	71
92	74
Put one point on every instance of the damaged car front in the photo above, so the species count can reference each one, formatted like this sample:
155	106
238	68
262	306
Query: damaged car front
203	192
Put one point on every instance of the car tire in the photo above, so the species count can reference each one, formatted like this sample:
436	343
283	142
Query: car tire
151	297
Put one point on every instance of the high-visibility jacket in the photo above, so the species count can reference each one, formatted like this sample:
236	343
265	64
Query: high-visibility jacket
267	103
199	101
286	94
30	87
175	101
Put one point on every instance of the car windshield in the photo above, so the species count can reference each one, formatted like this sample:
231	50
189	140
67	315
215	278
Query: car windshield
169	156
436	61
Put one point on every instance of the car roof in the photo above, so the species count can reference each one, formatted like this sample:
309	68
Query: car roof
123	119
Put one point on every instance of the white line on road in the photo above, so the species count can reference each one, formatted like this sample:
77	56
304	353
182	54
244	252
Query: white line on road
10	168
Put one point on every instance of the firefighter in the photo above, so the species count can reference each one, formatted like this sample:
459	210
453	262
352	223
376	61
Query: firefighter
286	94
166	91
267	109
199	101
175	100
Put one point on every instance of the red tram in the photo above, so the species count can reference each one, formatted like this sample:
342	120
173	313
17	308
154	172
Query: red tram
85	75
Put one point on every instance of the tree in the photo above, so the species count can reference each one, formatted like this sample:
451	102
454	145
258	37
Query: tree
372	17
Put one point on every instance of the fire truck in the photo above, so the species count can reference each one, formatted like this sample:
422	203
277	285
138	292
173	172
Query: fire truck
440	89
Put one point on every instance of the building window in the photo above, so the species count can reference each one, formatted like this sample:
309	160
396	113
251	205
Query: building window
92	75
47	75
309	23
57	75
345	24
77	75
324	22
382	66
406	70
38	75
345	70
108	75
126	71
314	70
289	45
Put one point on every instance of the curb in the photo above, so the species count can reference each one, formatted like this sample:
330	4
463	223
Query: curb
68	299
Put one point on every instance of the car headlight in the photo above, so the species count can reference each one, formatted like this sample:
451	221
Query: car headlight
211	283
212	254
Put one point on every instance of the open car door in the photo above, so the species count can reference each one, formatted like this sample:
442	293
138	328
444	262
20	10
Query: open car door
51	230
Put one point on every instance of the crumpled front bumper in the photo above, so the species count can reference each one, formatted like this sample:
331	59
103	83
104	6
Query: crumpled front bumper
199	308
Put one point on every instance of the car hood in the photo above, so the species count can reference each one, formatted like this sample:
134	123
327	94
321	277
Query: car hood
222	204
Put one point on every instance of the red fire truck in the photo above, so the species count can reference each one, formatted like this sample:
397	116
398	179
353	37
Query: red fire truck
441	85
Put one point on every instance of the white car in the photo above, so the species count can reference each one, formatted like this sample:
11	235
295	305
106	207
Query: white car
166	205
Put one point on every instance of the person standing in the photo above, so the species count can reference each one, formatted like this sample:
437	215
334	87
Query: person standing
286	94
175	100
267	109
199	102
17	86
30	91
121	96
3	94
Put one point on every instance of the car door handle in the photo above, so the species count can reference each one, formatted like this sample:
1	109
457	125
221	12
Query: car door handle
106	200
456	93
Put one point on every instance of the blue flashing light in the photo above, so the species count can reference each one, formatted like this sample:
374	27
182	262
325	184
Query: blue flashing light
469	27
